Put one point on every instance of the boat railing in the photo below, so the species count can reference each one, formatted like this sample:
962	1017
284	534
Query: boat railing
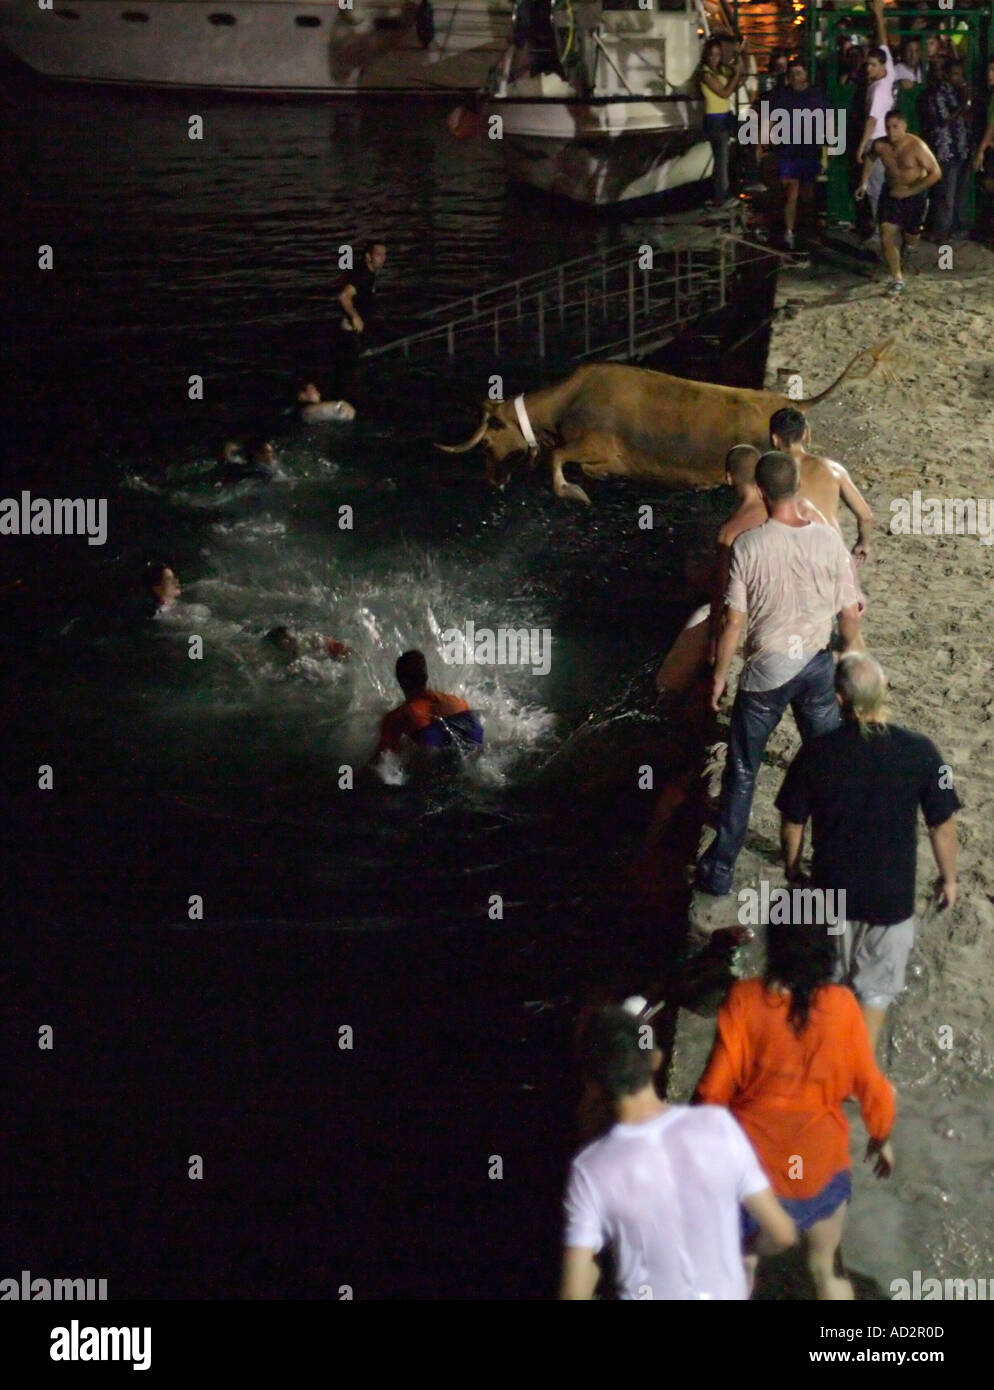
617	304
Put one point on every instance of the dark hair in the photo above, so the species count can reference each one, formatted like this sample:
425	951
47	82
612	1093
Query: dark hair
879	54
909	39
224	446
896	111
797	63
788	424
412	672
153	575
776	53
712	41
802	959
611	1052
777	476
371	246
740	463
950	63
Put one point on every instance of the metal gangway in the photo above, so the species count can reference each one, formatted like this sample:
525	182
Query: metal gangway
619	304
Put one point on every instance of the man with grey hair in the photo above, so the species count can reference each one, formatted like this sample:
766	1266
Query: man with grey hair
788	578
861	788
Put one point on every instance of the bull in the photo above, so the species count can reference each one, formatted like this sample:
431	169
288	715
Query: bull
627	422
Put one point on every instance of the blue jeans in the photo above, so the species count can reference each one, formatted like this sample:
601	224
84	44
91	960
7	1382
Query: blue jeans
755	714
951	196
718	130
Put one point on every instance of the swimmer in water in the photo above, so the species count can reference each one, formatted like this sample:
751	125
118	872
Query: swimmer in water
312	409
294	645
229	454
232	467
429	718
162	588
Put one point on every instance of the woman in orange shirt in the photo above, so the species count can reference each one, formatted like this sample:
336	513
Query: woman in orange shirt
790	1048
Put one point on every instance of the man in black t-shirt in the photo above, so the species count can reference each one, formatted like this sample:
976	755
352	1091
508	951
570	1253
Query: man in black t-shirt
355	294
861	788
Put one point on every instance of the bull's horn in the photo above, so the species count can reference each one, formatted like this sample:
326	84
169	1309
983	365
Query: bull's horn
470	443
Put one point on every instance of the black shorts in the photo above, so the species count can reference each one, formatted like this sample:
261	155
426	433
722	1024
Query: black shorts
906	213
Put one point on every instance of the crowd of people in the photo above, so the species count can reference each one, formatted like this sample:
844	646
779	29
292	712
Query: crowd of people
918	137
686	1198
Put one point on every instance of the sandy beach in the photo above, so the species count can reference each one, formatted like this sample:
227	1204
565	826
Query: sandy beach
931	428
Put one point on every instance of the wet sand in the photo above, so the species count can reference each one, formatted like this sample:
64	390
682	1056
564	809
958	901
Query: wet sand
930	624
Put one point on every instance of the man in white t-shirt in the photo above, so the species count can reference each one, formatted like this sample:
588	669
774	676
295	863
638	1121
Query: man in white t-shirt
880	80
787	580
664	1187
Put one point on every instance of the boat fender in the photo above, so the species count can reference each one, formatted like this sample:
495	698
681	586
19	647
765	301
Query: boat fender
424	23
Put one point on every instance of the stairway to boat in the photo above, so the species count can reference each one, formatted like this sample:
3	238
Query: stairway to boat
620	304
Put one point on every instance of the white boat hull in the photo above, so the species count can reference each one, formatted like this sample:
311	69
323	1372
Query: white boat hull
600	171
277	46
622	121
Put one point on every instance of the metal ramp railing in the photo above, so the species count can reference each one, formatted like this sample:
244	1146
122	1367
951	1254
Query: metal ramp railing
612	305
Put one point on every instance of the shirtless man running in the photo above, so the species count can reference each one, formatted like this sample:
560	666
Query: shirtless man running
910	169
823	481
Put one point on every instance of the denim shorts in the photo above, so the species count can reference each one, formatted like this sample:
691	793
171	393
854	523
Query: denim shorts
805	1211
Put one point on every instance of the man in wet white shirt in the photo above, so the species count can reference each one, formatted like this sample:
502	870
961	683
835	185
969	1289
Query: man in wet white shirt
664	1187
787	581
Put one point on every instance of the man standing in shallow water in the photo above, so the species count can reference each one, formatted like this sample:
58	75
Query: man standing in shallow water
787	581
355	295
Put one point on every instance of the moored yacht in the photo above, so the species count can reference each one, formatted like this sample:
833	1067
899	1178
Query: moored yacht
598	101
279	46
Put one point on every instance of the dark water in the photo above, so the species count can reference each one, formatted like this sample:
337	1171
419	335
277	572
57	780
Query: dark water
219	778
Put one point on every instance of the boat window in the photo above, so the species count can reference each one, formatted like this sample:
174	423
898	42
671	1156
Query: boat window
67	14
222	19
659	6
307	21
134	16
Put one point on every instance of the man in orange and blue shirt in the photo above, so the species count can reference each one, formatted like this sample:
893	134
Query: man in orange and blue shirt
429	718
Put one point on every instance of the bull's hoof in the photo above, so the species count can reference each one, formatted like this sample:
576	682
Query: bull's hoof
572	493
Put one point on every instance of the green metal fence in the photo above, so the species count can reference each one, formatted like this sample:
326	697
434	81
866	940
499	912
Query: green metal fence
969	31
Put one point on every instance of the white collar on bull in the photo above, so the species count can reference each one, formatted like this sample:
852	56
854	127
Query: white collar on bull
525	423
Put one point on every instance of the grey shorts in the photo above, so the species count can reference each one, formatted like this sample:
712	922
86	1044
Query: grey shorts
872	960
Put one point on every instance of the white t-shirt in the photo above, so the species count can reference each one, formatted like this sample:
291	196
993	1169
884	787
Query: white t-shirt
791	581
665	1196
880	98
902	73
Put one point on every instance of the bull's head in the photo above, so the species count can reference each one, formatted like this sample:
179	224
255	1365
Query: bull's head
501	436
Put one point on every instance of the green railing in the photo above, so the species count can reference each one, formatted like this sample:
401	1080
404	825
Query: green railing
970	31
773	25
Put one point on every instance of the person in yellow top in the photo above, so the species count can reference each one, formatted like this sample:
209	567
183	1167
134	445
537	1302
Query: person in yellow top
719	84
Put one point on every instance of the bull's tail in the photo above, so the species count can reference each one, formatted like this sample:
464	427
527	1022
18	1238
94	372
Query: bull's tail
875	358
